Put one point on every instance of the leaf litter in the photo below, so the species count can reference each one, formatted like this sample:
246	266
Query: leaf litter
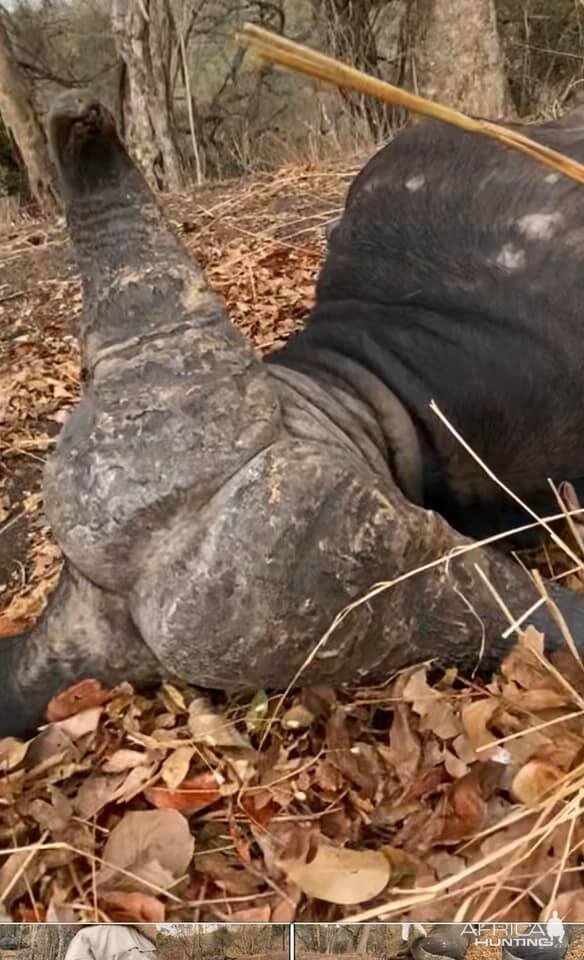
422	797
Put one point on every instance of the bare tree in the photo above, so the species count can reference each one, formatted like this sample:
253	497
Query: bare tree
145	37
189	940
351	35
455	55
20	118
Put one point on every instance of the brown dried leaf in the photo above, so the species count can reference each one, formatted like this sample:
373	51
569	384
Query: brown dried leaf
12	753
12	874
341	876
209	727
175	768
534	780
405	747
192	794
475	718
123	760
123	907
95	793
468	809
154	845
81	696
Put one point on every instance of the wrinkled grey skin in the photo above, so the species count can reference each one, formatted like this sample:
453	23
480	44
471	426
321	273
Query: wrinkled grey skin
217	513
449	941
445	940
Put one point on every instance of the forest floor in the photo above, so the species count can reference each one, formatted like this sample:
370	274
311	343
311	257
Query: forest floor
405	801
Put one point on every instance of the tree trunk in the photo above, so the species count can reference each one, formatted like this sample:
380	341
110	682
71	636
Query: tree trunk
20	118
455	55
363	938
142	33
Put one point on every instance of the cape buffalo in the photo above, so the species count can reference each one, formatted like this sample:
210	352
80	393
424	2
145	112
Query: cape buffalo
217	512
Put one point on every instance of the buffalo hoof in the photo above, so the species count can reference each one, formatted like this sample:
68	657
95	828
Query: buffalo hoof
446	941
536	952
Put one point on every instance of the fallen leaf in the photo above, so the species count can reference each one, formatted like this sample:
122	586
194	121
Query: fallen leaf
80	724
534	780
209	727
405	747
297	717
467	809
47	817
123	907
154	845
251	915
261	815
81	696
475	718
341	876
95	793
123	760
12	753
13	876
175	768
192	794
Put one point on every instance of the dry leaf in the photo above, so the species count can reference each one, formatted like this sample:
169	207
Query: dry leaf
475	717
123	907
534	780
405	748
123	760
12	874
209	727
455	767
154	845
192	794
82	723
468	809
297	717
251	915
175	768
95	793
341	876
12	753
81	696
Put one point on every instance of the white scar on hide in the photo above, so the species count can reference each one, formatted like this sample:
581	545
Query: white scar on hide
511	257
539	226
415	183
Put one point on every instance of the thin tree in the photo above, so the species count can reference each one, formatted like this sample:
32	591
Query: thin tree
20	118
455	55
144	36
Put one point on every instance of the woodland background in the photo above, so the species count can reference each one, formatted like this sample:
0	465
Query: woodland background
19	941
192	107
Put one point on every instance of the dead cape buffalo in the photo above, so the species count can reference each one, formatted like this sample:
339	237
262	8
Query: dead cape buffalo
217	512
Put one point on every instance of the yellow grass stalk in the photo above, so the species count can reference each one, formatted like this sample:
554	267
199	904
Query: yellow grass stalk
300	59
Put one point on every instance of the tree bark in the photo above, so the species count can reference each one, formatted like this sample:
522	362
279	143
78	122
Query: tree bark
142	33
455	55
21	119
363	938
